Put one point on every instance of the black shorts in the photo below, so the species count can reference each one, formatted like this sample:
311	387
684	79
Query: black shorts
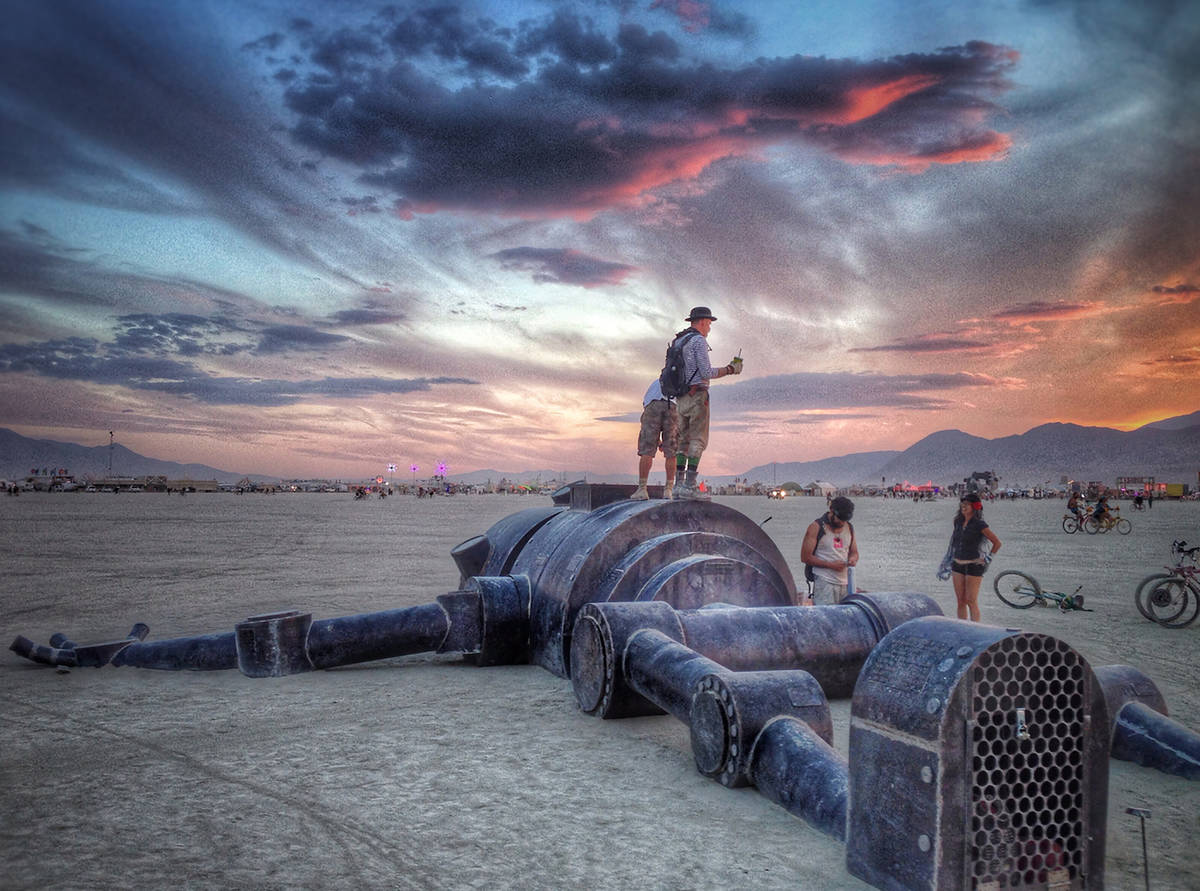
971	569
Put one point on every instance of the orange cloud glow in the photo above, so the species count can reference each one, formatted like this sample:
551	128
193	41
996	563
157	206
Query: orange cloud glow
864	102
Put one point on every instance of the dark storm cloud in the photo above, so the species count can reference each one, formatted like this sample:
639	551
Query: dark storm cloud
842	391
290	338
104	103
591	122
563	266
366	317
175	333
925	345
84	359
839	396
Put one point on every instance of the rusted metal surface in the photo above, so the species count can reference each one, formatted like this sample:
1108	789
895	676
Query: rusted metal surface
987	748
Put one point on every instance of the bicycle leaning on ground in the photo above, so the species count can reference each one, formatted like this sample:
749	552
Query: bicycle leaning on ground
1172	598
1022	591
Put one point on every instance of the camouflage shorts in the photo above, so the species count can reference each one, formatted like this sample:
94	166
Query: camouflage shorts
660	427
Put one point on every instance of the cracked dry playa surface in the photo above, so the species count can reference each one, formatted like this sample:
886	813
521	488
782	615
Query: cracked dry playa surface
426	772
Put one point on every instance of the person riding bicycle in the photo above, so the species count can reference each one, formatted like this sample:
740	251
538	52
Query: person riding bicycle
1074	507
1102	512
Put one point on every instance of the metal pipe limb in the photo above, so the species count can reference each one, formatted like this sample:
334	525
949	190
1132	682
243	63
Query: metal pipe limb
1141	730
1147	737
208	652
730	709
724	710
43	654
829	642
795	767
664	671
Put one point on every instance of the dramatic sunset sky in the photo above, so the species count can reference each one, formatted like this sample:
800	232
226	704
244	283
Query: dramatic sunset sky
313	238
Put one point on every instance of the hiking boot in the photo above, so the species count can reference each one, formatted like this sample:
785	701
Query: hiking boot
689	491
641	494
668	491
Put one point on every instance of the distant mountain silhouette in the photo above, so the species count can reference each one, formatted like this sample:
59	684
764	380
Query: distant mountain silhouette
19	455
1052	451
861	467
1180	423
1168	450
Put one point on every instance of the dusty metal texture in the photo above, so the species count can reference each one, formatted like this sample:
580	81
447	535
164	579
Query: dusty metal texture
986	748
581	558
583	496
724	710
1148	737
664	671
829	642
493	552
795	767
1123	684
273	645
350	639
1141	731
729	709
504	620
597	675
207	652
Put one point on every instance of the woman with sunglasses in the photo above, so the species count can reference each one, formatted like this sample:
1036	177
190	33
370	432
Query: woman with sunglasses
968	558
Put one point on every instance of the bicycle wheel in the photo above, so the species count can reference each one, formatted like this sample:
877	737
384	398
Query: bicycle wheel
1142	592
1017	589
1168	601
1191	607
1091	525
1124	526
1070	524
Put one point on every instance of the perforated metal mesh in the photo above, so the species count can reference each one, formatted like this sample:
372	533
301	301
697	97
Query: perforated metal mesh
1028	808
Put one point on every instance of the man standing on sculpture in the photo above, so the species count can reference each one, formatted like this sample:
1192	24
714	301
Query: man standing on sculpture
693	405
658	432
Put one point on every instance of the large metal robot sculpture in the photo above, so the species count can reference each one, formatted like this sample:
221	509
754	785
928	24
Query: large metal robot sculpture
986	748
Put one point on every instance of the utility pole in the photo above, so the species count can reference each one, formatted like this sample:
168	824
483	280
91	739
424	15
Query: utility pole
110	451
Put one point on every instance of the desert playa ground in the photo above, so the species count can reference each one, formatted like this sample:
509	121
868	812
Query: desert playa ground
426	772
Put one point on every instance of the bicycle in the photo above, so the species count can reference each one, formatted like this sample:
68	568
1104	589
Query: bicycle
1165	597
1072	522
1021	591
1092	525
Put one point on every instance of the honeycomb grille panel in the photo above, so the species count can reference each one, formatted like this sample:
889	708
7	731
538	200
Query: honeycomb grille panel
1028	809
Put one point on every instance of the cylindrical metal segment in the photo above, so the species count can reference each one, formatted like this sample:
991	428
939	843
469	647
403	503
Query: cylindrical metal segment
664	671
581	558
597	645
208	652
505	619
730	708
1148	737
383	635
273	645
829	642
493	553
1123	684
795	768
42	654
986	748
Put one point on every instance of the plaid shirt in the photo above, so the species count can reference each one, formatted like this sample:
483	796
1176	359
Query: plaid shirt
696	367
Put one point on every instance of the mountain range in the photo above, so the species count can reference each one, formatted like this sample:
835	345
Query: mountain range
1168	450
